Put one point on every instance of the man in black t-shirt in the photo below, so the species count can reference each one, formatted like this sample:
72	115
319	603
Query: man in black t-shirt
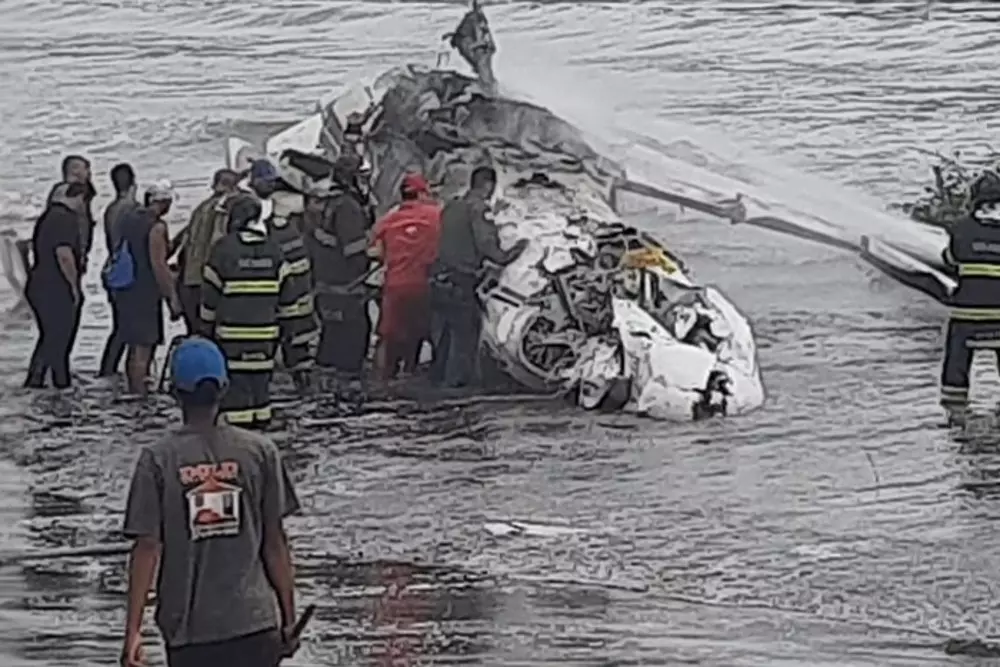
76	169
53	288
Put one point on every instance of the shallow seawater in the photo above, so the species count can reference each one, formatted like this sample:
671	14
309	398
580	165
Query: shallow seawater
838	525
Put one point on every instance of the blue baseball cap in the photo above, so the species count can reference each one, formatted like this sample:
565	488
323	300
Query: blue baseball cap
197	359
263	170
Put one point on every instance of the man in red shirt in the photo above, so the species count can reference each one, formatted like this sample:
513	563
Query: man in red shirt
406	239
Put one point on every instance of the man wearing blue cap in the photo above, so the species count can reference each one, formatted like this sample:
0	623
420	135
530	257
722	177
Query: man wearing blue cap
263	178
207	503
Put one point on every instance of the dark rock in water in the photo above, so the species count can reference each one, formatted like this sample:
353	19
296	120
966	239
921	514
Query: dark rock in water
975	648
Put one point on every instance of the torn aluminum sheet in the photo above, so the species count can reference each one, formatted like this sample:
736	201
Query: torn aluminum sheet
593	306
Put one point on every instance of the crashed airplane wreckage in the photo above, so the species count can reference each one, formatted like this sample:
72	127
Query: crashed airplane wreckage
592	306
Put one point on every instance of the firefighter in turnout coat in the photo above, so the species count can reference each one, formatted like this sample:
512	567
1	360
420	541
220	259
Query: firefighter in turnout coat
284	226
338	246
298	349
974	321
249	297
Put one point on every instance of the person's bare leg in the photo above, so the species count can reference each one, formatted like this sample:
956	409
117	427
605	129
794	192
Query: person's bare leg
137	368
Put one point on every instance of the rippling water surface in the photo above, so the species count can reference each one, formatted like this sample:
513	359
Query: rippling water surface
836	526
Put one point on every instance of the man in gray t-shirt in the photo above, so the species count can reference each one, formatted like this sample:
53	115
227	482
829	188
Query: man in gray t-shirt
207	504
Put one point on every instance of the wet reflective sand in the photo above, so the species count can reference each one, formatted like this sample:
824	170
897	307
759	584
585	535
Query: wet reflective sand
836	526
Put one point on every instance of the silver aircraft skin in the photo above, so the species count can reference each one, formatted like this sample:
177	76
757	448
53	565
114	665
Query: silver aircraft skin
593	307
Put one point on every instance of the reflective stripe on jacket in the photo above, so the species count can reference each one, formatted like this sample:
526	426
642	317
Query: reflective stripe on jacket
974	250
248	299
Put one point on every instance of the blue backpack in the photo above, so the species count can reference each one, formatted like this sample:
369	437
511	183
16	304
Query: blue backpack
119	271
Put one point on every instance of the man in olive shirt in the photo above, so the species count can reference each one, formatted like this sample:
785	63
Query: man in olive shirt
207	504
207	225
468	236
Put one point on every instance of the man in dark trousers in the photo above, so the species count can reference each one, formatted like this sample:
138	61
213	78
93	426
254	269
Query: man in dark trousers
53	288
338	246
248	298
468	236
974	321
123	180
207	505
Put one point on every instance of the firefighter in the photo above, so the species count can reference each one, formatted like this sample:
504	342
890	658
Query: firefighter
338	245
298	349
974	322
247	301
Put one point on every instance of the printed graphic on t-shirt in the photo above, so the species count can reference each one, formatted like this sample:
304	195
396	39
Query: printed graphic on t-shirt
213	505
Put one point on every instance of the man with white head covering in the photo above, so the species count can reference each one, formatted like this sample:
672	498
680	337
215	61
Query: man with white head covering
144	239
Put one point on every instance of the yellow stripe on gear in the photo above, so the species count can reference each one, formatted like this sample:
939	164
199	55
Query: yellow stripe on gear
299	267
301	308
252	237
975	314
262	365
979	270
231	333
248	416
251	287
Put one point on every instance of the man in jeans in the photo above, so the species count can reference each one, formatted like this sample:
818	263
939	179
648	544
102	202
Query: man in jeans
207	504
468	236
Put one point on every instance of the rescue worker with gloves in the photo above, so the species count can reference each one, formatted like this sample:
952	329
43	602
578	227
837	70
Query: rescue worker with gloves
338	244
468	237
974	321
247	300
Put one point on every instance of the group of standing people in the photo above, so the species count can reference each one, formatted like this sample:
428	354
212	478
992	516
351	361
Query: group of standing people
258	271
263	270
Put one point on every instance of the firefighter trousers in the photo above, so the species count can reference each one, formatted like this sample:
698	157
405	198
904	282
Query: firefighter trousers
345	333
962	339
247	402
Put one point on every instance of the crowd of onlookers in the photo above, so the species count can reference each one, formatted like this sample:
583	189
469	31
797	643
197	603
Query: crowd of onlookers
327	246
